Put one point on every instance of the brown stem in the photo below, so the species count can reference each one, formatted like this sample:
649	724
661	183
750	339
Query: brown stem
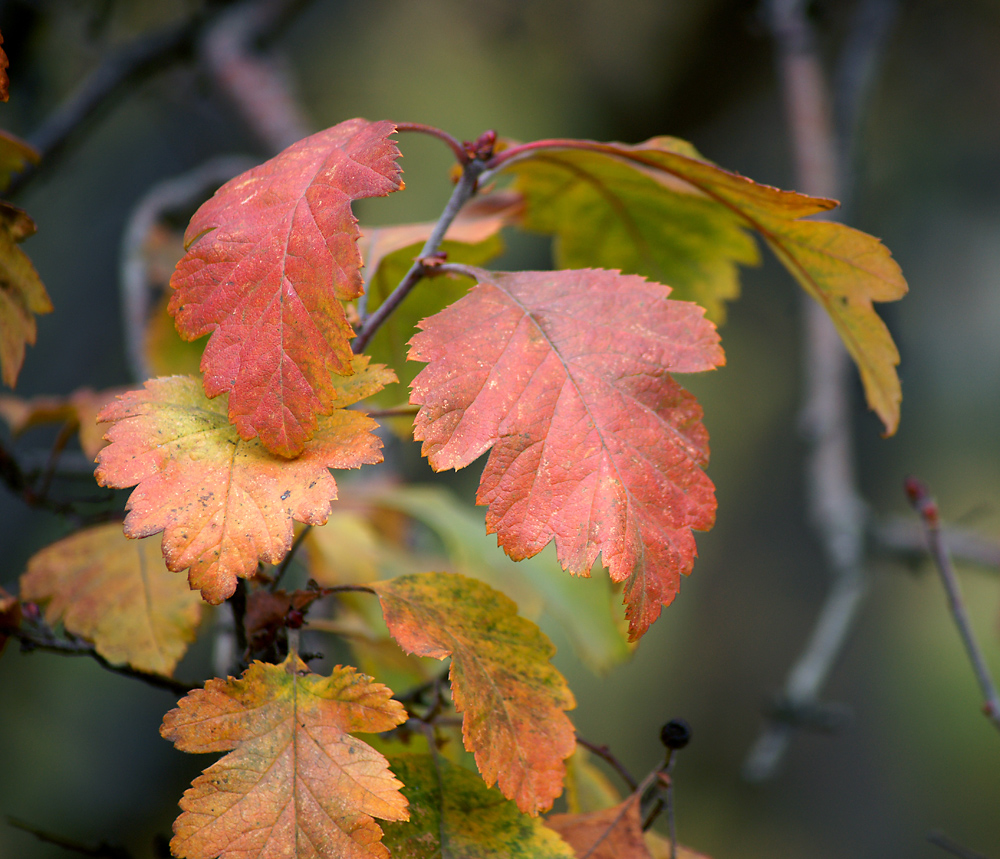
604	753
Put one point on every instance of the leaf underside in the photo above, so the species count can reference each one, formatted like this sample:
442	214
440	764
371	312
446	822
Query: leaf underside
566	376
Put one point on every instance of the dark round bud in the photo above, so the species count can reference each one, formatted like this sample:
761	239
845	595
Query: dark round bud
676	734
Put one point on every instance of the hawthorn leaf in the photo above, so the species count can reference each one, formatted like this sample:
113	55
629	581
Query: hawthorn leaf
661	210
270	259
473	238
117	594
502	681
295	782
22	295
453	815
224	503
566	376
15	155
612	833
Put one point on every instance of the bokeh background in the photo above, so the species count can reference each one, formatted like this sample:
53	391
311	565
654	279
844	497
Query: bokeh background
79	747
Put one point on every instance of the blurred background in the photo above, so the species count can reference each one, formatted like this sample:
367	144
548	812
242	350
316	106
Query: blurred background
80	747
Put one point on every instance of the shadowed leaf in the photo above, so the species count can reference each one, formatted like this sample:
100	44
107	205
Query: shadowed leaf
118	594
612	833
501	679
566	376
295	783
270	259
224	503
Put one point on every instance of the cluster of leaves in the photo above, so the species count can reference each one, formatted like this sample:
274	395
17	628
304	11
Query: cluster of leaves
566	379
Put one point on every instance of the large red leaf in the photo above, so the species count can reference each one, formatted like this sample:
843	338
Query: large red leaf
270	258
566	375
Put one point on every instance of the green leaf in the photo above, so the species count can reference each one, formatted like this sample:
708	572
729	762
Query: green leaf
453	815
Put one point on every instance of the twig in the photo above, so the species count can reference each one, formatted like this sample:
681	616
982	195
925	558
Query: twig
464	190
941	840
101	851
905	538
132	61
460	153
925	505
42	638
285	564
836	507
604	753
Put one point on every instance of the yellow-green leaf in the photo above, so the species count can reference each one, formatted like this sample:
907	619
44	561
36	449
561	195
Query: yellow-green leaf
453	815
118	594
501	679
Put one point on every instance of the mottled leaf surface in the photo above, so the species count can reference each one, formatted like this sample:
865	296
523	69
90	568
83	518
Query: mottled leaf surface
453	815
270	259
22	295
661	210
224	503
118	594
566	376
295	782
502	681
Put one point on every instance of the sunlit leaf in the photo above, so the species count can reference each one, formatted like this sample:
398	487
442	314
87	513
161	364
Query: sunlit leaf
295	782
501	679
118	594
270	259
567	377
224	503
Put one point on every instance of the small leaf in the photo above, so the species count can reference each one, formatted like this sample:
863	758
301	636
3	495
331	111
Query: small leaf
613	833
117	594
453	815
566	375
22	294
661	210
270	259
501	679
224	503
295	783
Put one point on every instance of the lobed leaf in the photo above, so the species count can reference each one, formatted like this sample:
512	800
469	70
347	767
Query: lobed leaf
270	259
224	503
22	295
295	782
117	594
453	815
501	679
566	376
661	210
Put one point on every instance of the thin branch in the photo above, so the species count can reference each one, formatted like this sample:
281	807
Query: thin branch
132	61
101	851
461	155
604	753
837	510
464	190
939	839
285	564
42	638
905	538
925	505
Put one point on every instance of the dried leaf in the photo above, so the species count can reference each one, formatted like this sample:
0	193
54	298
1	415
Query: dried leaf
453	815
566	375
295	783
117	594
501	679
22	295
661	210
613	833
270	258
224	503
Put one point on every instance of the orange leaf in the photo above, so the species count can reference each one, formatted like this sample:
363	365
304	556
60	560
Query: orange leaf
566	375
501	679
295	783
613	833
224	503
117	594
22	294
270	258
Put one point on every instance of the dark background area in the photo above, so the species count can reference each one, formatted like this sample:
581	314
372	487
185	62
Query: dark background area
80	750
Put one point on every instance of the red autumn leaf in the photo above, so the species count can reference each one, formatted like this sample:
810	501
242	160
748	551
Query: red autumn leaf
501	679
295	783
224	503
270	258
566	376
